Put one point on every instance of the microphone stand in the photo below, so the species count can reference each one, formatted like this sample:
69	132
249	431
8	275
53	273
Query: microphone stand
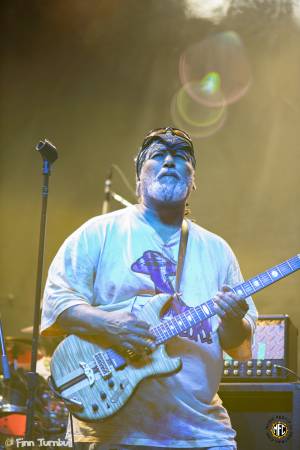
108	194
49	154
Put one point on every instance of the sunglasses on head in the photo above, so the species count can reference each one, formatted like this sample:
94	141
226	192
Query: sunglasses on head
173	131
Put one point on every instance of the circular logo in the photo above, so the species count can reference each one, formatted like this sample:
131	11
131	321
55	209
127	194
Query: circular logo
279	429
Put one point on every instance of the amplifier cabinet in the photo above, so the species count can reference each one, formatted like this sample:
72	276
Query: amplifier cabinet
259	411
274	342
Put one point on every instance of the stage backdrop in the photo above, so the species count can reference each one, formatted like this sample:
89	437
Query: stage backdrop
94	76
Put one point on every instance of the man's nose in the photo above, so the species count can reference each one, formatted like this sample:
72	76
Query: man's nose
169	161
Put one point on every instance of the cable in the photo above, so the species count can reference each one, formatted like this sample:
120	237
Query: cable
72	432
288	370
125	179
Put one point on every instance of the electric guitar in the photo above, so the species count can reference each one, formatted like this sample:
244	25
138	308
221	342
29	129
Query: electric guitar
95	382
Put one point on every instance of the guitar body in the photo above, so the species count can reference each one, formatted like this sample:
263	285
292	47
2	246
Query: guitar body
98	391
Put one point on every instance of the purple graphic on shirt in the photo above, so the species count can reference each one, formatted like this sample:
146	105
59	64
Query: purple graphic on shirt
160	269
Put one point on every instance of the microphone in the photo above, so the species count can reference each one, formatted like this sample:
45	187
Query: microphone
49	154
107	192
47	150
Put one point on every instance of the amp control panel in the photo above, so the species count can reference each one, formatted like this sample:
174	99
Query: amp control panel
263	370
274	343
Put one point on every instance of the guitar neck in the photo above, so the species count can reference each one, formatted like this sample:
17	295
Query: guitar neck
193	316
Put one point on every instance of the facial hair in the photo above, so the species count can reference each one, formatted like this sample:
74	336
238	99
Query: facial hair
166	189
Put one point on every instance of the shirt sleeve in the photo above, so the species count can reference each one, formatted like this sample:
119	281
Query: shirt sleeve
70	280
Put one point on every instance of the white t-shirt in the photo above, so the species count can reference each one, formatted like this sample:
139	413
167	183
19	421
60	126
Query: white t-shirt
108	262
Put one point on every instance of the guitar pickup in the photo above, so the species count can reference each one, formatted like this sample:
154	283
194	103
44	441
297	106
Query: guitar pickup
117	361
102	365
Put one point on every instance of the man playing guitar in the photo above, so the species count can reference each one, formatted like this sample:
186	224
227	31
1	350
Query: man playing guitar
112	266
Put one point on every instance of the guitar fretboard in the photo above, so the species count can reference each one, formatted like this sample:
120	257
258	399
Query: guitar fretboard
182	322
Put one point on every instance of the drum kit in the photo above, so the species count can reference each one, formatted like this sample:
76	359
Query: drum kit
51	415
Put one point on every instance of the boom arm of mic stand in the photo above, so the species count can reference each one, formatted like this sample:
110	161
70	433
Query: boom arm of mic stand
120	199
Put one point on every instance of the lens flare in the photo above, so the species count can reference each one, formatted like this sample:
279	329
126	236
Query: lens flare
197	119
210	84
221	65
207	91
196	114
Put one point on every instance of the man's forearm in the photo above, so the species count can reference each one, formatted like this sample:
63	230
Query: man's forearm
117	328
83	319
233	332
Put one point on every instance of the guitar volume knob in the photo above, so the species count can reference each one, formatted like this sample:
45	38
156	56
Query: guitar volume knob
103	395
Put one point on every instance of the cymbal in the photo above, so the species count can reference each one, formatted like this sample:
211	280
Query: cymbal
21	340
27	329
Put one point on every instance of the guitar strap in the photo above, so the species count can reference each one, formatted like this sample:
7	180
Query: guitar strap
180	261
181	254
205	335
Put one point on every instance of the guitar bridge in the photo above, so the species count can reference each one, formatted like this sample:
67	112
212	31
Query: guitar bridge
102	365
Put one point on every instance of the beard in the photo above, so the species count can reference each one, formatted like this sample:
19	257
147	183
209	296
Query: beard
167	189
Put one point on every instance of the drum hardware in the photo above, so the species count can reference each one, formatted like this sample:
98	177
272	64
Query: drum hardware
50	418
4	359
51	414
